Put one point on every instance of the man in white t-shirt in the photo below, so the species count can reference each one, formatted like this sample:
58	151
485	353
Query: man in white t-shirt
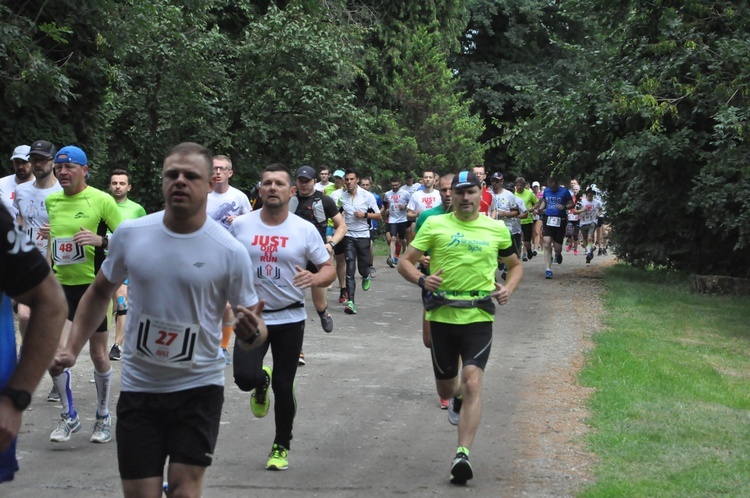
181	268
421	200
359	207
224	204
588	211
32	217
324	175
280	245
22	174
396	201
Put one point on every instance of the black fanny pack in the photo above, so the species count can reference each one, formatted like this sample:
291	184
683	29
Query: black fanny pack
434	300
298	304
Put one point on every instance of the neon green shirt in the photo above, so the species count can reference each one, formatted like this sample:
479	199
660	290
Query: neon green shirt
467	253
131	210
529	199
91	209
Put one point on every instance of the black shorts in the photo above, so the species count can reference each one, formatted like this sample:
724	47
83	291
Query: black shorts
557	233
338	249
398	229
182	425
373	233
73	295
527	230
471	342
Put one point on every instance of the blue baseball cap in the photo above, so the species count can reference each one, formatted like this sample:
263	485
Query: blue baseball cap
71	154
466	179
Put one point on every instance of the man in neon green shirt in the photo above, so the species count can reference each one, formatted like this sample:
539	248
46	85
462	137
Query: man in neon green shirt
527	224
79	217
463	247
119	186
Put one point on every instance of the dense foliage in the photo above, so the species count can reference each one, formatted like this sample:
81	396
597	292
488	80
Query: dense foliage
647	99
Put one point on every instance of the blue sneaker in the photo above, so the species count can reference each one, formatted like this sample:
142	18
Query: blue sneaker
548	274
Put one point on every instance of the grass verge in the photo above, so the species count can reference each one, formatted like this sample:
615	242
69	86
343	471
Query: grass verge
671	409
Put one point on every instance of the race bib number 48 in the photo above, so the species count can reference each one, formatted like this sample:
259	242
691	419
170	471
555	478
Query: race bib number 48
166	344
67	252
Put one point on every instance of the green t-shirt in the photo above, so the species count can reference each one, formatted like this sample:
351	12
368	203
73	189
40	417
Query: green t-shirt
131	210
91	209
529	199
467	252
426	214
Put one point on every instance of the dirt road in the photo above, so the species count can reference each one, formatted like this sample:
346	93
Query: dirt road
368	422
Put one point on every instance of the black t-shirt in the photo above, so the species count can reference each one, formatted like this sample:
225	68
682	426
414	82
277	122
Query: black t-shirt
317	209
22	266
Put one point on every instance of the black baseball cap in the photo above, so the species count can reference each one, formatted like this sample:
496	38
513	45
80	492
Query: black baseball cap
43	148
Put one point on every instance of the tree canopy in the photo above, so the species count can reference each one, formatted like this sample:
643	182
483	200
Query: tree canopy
646	99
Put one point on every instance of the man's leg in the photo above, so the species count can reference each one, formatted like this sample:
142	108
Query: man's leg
471	407
350	254
151	487
121	311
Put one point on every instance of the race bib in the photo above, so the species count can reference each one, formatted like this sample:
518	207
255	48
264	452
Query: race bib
166	344
67	252
39	240
553	221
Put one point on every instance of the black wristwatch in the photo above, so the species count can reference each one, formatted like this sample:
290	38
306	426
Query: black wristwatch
21	399
105	242
420	282
332	243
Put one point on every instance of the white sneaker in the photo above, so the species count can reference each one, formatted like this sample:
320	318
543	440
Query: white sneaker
102	430
65	427
453	411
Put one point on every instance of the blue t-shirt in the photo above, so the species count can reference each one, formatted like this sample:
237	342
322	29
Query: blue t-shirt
554	197
374	223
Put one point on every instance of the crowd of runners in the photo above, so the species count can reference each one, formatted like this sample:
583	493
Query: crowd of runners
214	266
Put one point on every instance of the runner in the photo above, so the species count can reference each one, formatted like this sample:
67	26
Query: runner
366	184
25	276
21	175
323	184
338	251
554	204
224	204
487	197
172	367
588	212
396	200
463	257
527	224
317	208
444	187
359	207
421	200
30	206
280	246
119	187
79	217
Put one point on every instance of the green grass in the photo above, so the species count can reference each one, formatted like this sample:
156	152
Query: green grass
671	411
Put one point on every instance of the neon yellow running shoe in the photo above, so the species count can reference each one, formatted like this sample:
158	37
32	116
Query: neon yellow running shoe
278	458
259	401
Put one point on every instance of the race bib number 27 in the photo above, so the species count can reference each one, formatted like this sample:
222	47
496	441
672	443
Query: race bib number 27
166	344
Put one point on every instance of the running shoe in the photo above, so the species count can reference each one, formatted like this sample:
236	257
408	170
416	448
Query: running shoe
548	274
349	308
326	321
54	394
604	251
366	283
227	357
373	272
454	409
259	401
444	403
65	427
278	459
301	361
461	470
589	256
115	354
390	262
575	252
102	430
533	253
600	252
558	258
570	246
395	261
525	258
343	296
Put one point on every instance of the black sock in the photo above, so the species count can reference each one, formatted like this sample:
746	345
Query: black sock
322	313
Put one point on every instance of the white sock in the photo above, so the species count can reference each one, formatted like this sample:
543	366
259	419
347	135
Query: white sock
62	382
103	388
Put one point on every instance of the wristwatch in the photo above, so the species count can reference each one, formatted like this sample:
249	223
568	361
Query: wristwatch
421	281
332	243
105	242
21	399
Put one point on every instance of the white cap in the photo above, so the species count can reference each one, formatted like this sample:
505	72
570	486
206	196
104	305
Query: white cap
535	184
21	152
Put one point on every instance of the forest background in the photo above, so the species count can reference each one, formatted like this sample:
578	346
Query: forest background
646	99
